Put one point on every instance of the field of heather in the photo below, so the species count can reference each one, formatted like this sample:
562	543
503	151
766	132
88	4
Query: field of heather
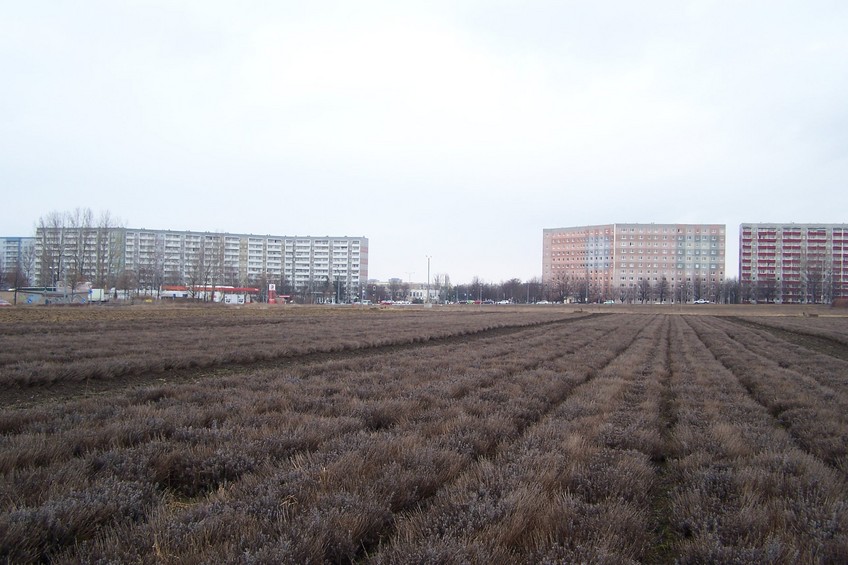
465	435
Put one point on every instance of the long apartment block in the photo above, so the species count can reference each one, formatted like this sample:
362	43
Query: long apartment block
793	263
186	257
613	259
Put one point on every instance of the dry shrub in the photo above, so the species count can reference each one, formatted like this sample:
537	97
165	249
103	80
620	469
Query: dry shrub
72	352
31	534
194	470
517	447
33	450
382	415
338	528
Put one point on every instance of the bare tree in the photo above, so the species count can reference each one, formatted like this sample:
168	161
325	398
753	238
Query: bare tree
512	290
79	232
394	288
535	288
581	289
199	271
730	291
126	281
562	288
662	290
437	287
815	274
644	290
476	288
697	288
107	250
50	233
714	292
683	292
766	289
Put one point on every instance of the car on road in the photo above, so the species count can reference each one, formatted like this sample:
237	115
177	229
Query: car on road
702	301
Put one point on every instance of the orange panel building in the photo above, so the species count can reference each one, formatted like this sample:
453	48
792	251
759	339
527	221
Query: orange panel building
657	262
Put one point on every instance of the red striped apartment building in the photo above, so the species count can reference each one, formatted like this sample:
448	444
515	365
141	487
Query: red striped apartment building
663	262
793	263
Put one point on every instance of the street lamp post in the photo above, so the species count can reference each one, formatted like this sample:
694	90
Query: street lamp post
428	280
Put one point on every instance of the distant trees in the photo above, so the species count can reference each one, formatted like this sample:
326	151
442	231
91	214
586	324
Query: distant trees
18	273
730	291
511	290
662	290
683	292
766	289
151	269
645	290
560	289
816	274
71	247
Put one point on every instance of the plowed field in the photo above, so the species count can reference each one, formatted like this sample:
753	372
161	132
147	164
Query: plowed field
424	436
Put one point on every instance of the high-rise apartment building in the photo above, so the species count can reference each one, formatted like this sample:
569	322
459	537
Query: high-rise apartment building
152	258
793	263
666	262
17	255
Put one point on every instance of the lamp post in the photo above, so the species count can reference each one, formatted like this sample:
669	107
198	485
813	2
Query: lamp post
428	280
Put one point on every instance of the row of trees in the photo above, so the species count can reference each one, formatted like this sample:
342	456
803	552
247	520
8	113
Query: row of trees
73	247
586	290
815	290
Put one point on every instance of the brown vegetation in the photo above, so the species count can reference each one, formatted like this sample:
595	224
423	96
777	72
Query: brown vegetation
621	438
43	346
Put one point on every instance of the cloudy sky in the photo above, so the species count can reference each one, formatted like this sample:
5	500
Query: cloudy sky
455	129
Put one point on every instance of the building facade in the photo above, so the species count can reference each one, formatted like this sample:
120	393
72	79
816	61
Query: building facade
793	263
17	258
148	259
657	262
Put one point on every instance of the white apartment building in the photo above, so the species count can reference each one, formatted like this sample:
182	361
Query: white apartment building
17	253
152	258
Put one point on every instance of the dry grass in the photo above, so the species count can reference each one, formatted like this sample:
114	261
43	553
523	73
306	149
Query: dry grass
75	345
607	439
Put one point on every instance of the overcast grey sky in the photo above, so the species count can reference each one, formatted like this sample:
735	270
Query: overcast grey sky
455	129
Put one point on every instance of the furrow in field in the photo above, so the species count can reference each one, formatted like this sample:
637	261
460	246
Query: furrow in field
827	334
810	411
575	487
105	351
348	443
789	352
742	490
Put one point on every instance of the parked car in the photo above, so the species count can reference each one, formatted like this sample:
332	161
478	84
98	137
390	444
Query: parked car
702	301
